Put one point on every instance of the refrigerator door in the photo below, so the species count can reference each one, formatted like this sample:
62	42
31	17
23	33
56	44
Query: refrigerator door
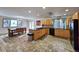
71	25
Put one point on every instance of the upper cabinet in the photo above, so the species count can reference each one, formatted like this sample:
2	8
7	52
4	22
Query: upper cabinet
47	22
43	22
68	21
75	15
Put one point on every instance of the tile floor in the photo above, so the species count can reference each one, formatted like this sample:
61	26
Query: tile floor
46	44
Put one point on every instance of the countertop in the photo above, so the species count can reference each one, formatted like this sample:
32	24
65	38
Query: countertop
44	27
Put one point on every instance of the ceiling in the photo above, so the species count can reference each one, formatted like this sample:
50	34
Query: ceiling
36	12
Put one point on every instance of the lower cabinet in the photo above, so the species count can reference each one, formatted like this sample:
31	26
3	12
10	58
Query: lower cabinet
39	33
62	33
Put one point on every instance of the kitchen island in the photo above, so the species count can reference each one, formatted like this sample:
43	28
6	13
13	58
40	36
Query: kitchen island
40	32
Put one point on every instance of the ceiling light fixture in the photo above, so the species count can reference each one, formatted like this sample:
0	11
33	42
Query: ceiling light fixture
65	14
29	11
67	10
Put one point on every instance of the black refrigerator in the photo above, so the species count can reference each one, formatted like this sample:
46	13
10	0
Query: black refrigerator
74	34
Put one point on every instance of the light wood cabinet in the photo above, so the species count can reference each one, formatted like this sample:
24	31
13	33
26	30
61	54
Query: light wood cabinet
47	22
39	33
68	21
43	22
47	31
62	33
75	15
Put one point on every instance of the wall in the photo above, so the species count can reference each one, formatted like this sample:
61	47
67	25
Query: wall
2	30
1	21
25	23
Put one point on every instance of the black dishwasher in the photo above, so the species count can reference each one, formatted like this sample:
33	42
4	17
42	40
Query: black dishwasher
51	31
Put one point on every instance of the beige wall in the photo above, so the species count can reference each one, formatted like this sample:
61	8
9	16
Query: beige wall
1	18
2	30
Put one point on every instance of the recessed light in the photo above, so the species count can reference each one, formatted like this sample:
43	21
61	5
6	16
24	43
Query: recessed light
29	11
67	10
65	14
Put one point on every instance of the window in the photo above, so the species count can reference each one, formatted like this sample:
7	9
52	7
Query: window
19	23
6	23
56	23
32	25
60	23
9	22
13	23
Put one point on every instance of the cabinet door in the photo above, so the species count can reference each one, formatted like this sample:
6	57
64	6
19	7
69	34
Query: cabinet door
49	22
35	36
47	31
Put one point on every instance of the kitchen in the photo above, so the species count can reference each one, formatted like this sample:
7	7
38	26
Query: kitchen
37	25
